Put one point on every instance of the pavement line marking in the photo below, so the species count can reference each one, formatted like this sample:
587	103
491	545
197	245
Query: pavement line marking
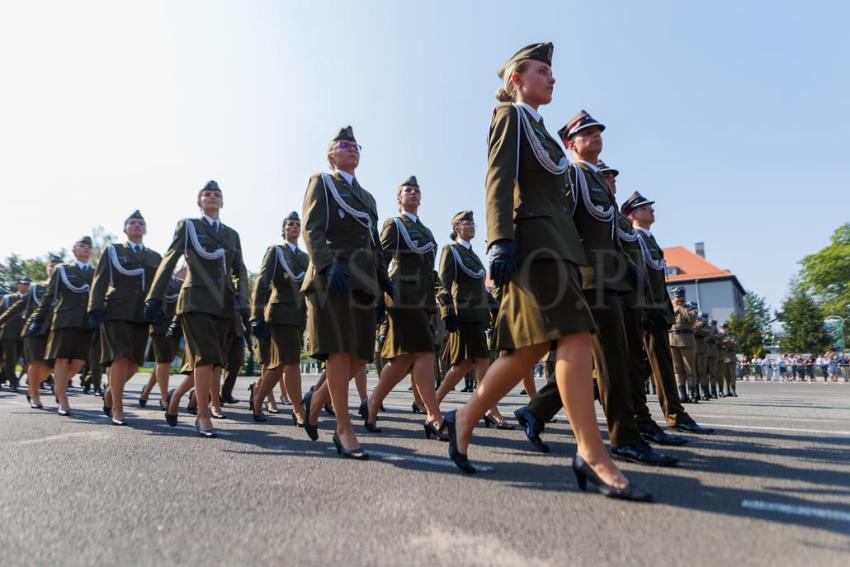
793	509
791	429
61	436
445	463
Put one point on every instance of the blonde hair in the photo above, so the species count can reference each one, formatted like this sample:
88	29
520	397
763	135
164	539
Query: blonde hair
508	92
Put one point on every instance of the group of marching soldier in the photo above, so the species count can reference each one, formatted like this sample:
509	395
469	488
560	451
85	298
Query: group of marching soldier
577	281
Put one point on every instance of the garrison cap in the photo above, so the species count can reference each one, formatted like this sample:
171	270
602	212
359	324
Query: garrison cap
55	260
703	315
25	280
293	216
410	182
345	133
210	186
577	123
136	215
537	51
713	322
603	168
84	240
462	216
725	325
635	201
678	292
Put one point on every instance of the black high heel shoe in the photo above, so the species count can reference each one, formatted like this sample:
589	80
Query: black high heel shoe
356	454
171	420
64	413
370	427
34	405
431	430
142	401
162	407
204	433
584	472
312	430
363	410
329	409
257	417
119	421
295	419
415	408
490	421
459	459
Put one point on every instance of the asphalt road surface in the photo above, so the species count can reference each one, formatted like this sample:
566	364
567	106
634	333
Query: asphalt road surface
771	487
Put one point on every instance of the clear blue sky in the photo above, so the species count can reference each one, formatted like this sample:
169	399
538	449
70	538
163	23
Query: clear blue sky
734	116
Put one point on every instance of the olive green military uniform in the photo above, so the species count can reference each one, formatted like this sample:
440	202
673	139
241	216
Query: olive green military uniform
683	347
165	348
340	221
728	350
279	302
33	346
409	250
65	302
712	360
215	277
121	283
10	336
462	277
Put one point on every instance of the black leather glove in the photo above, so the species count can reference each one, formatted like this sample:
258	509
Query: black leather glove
503	261
450	321
260	329
153	311
174	329
96	317
338	278
35	326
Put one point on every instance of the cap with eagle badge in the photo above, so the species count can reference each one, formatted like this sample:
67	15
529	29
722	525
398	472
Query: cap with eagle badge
579	122
603	169
635	201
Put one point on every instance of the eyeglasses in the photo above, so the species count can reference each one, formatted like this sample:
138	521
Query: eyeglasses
349	146
466	223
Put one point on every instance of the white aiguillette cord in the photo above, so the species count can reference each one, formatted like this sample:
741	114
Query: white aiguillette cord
458	262
364	218
116	264
647	257
540	153
71	287
192	236
596	211
282	260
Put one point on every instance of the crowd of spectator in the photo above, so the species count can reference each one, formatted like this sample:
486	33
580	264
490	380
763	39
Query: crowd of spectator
828	367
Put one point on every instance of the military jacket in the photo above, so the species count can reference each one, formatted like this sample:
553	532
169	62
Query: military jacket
653	261
10	327
340	225
526	203
17	316
277	292
593	198
410	250
682	331
172	292
462	277
121	282
713	340
701	334
66	299
215	272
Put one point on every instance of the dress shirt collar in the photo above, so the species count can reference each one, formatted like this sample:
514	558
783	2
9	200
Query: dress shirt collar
464	243
534	114
347	176
411	216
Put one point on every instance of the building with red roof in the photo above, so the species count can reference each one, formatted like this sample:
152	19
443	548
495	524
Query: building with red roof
717	291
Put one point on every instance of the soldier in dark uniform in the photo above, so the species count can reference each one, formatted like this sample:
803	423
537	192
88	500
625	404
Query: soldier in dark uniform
34	345
345	279
659	316
64	305
215	288
10	333
280	313
535	249
409	249
116	304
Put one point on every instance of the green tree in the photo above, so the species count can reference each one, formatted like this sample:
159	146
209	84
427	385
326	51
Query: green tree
750	335
803	320
100	238
757	310
826	274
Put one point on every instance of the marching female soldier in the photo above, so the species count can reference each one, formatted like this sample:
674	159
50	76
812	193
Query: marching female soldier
71	331
345	277
535	250
116	304
215	286
409	341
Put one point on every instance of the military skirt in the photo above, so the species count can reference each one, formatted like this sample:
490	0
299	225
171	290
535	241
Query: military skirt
123	339
164	348
541	304
35	348
207	340
286	343
341	324
468	342
72	343
408	332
